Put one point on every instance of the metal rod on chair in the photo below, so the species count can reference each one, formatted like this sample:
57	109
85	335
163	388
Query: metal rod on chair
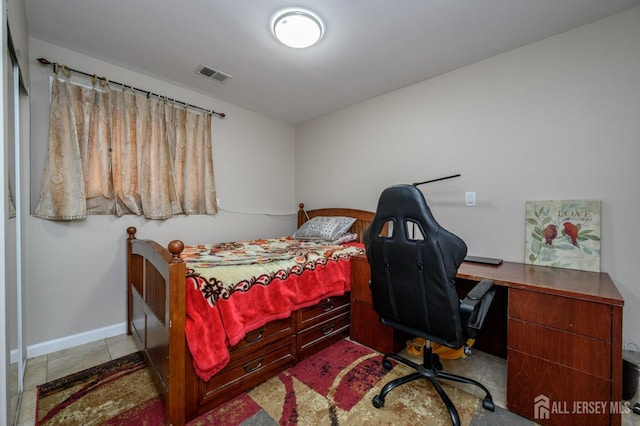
435	180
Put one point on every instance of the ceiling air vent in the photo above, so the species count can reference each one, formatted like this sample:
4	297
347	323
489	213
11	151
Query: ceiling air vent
211	73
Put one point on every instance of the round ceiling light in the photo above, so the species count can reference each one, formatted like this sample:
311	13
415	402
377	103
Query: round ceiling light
297	28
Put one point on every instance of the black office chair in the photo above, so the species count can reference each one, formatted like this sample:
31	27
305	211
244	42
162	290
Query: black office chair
413	270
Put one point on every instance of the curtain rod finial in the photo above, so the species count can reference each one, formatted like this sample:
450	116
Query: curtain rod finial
44	61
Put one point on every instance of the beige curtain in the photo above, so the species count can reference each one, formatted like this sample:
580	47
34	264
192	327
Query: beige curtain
117	152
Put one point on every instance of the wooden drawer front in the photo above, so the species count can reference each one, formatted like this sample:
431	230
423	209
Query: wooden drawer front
245	372
572	350
328	308
577	316
270	332
529	378
321	334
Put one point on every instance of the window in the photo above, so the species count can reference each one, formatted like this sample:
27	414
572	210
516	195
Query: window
119	152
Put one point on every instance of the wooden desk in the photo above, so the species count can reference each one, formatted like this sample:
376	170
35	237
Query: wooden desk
564	338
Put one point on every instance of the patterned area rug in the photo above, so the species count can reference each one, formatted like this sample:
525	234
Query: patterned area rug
333	387
119	392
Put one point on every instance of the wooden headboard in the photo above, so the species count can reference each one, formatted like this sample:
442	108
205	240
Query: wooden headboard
363	217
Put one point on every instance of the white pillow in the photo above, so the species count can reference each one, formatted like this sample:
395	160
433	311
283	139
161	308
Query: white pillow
346	238
328	228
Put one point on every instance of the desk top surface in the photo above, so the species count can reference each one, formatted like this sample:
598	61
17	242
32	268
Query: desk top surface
593	286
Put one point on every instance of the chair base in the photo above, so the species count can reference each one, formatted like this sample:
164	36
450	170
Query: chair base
430	369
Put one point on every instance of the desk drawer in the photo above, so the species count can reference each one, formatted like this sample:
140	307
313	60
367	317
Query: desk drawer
577	316
568	349
529	379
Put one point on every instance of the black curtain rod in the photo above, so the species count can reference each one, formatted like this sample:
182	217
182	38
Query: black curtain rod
56	67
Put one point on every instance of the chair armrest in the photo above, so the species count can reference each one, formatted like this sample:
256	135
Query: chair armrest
475	305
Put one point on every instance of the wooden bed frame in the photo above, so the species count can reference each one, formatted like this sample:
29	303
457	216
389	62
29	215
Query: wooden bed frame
156	305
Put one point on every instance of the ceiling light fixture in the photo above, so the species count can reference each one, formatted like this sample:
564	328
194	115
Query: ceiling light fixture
297	28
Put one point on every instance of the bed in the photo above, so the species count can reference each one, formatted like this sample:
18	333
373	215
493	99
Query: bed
160	318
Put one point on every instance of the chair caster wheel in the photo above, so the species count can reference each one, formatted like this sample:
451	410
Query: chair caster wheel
378	402
487	404
387	364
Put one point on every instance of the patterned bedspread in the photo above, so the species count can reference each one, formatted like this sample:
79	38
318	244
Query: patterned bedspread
234	288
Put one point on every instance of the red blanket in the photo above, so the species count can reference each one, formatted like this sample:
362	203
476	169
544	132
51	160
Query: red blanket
222	309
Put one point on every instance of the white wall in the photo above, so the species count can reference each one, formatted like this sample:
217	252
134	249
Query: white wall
75	271
557	119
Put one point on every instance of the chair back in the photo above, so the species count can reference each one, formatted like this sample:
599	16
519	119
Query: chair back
413	267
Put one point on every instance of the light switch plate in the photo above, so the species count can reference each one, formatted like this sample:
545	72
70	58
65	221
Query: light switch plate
470	199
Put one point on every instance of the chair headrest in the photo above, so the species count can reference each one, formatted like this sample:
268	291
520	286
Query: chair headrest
404	204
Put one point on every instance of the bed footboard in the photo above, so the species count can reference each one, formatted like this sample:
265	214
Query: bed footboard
156	316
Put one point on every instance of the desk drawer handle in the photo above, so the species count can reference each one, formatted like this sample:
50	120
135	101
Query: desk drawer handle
328	329
255	335
326	307
248	368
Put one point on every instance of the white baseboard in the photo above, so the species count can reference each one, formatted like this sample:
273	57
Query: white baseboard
13	356
75	340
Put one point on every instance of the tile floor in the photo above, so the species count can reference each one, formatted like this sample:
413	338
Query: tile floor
490	370
53	366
